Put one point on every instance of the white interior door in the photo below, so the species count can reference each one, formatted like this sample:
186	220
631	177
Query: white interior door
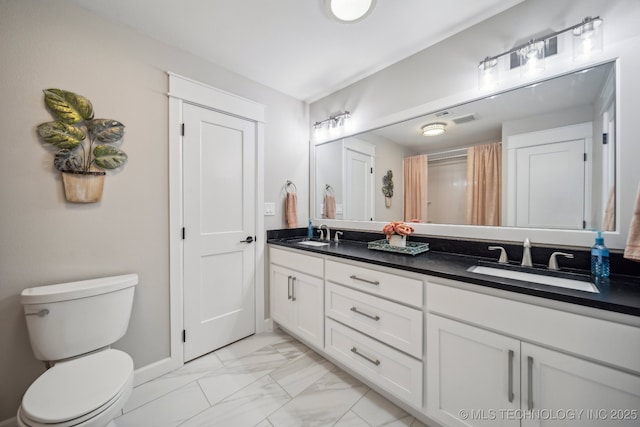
358	186
219	218
550	185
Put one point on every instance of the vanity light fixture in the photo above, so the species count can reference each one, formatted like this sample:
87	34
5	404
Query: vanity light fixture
434	129
350	11
587	38
333	123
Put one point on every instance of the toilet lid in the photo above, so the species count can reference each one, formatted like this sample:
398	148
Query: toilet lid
76	387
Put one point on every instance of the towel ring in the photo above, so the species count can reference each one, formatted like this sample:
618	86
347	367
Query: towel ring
328	190
290	184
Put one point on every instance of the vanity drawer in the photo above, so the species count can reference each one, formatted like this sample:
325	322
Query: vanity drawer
392	323
296	261
398	288
392	370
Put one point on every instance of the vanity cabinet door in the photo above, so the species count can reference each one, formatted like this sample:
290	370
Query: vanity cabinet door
297	303
307	296
473	375
569	391
280	286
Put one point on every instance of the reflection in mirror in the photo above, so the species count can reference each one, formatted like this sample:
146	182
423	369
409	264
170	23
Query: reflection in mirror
540	156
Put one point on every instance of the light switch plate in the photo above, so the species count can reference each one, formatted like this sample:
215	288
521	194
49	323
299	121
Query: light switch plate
269	208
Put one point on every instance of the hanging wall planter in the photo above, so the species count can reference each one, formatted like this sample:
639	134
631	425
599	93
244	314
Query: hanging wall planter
85	144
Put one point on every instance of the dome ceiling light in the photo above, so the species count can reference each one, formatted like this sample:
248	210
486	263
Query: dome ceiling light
434	129
349	11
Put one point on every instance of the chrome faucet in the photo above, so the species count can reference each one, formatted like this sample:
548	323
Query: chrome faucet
553	261
328	236
526	254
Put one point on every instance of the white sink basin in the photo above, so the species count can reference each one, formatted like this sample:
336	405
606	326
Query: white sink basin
580	285
313	243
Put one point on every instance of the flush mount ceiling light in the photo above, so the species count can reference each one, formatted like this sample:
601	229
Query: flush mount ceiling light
434	129
350	10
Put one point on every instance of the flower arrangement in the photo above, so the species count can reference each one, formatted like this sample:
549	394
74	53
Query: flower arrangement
397	227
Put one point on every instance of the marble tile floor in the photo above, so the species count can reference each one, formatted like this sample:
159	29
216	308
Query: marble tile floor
266	380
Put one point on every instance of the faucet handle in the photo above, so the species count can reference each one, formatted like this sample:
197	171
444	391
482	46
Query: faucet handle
335	236
503	254
321	234
553	261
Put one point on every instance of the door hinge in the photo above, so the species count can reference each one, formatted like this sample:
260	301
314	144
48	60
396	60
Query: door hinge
183	233
584	224
184	335
585	157
605	138
182	130
371	170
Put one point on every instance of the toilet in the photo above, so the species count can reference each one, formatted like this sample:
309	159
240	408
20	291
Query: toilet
71	326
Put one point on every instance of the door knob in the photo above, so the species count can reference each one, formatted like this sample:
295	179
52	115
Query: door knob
249	239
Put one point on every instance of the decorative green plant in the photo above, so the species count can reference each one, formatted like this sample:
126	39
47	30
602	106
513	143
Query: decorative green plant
387	184
79	137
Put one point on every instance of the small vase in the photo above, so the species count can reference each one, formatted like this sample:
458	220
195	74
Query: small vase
387	202
83	187
398	240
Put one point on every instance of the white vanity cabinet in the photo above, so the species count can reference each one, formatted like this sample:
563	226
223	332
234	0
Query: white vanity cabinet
494	361
297	292
374	326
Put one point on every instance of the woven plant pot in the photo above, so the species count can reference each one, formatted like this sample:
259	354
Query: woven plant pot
83	187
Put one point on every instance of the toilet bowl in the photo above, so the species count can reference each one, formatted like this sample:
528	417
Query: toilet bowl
71	326
87	391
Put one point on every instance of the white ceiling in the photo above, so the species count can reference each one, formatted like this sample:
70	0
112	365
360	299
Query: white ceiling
293	46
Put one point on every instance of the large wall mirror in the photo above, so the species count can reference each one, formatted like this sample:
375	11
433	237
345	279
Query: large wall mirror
540	156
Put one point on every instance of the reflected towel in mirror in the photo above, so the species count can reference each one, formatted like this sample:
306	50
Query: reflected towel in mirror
329	209
632	251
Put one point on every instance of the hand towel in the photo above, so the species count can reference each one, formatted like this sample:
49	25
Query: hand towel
632	251
329	210
291	210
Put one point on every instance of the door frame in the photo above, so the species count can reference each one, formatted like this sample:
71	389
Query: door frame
184	90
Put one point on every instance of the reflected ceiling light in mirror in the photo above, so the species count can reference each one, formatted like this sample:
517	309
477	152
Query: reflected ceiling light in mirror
350	11
530	57
331	126
434	129
587	38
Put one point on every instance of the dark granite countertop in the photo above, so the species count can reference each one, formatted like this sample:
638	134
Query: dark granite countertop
617	293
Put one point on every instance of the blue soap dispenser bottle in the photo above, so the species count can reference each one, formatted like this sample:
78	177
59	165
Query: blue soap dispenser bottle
599	258
310	230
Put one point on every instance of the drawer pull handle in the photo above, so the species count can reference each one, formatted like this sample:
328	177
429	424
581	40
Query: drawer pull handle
510	375
530	383
372	282
367	358
355	310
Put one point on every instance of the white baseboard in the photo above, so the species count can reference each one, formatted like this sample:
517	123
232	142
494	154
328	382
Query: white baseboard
153	370
9	422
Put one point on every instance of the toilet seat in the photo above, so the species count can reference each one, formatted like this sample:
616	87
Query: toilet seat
78	390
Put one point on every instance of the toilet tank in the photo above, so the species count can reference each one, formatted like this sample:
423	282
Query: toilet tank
70	319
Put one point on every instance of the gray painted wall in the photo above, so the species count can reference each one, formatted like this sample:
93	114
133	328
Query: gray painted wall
46	240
